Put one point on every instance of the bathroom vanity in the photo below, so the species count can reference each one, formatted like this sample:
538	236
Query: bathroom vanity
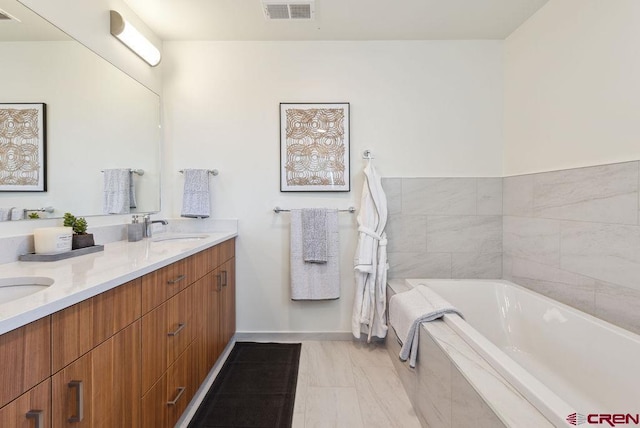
134	353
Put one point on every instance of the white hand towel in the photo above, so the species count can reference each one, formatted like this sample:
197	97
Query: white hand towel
315	281
116	192
407	310
196	198
314	235
5	214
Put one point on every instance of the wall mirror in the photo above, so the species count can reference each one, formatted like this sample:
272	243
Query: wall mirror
97	117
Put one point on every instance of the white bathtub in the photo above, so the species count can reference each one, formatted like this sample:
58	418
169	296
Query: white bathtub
560	359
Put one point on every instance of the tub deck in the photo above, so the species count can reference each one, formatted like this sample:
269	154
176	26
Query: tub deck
453	386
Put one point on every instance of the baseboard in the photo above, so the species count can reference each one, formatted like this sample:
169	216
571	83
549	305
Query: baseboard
292	336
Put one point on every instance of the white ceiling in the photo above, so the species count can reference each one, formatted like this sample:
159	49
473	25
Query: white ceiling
337	19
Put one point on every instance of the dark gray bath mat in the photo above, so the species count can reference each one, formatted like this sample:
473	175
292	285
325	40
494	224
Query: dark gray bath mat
255	388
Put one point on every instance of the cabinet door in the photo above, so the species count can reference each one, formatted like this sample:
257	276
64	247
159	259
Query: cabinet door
102	388
182	383
25	359
166	333
31	410
208	291
81	327
165	402
228	302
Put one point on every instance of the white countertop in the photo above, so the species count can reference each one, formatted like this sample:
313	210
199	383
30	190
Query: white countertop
79	278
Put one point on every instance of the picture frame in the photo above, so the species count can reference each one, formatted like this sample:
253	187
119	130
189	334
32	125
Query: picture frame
315	147
23	148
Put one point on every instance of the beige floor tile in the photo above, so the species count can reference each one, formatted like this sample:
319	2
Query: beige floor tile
329	407
329	363
383	400
373	354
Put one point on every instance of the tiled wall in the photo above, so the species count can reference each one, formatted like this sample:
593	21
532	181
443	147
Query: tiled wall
574	235
444	227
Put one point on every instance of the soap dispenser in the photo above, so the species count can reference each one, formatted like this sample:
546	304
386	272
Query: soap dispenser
134	229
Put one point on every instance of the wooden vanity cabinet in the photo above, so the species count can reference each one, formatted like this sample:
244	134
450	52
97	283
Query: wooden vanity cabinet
129	357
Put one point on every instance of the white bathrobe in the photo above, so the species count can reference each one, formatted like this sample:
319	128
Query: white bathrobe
370	263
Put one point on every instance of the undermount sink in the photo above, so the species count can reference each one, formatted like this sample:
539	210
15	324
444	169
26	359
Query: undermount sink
17	287
179	238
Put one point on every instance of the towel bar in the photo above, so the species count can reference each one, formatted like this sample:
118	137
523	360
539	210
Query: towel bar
42	210
135	171
351	210
211	171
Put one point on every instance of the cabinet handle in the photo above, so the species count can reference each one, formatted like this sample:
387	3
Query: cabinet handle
175	400
219	282
177	279
224	278
38	415
181	325
79	400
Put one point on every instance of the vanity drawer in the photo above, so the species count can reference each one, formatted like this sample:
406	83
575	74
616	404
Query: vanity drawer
165	402
227	251
25	358
166	333
162	284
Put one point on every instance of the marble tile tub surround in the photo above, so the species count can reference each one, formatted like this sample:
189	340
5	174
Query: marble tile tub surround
452	386
574	235
444	227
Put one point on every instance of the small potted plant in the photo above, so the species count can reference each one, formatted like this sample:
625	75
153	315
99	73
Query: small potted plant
80	238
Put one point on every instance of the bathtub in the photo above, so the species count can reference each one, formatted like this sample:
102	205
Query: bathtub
561	360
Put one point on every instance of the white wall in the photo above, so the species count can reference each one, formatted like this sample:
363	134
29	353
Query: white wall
424	108
572	92
88	22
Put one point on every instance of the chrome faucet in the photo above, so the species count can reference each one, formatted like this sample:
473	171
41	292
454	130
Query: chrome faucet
147	223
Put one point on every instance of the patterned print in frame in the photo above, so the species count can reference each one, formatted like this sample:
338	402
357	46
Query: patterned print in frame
23	147
314	147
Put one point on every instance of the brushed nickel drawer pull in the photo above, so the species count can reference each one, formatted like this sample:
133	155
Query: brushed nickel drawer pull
175	400
224	278
38	415
181	325
178	279
77	384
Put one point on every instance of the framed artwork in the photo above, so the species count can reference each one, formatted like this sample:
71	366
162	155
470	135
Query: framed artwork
23	147
314	147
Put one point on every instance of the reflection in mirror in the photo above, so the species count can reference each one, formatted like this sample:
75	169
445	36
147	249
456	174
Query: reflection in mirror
98	117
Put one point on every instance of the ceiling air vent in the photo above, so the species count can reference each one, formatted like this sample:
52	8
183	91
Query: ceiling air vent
288	10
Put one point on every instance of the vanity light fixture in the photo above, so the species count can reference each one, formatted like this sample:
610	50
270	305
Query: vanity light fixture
122	30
